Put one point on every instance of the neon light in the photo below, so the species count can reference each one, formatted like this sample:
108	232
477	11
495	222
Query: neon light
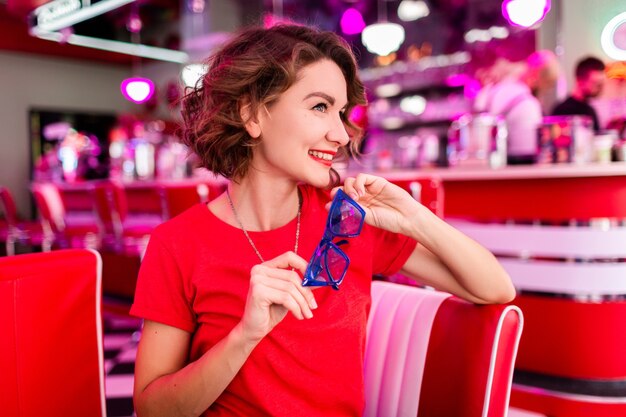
144	51
50	20
607	39
352	22
137	89
59	14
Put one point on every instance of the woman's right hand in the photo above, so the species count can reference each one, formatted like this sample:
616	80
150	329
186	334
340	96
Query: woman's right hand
275	289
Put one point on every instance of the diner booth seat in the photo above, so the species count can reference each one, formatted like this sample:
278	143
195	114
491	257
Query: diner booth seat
51	335
430	354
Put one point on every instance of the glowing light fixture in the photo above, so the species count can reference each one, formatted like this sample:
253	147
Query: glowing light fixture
410	10
413	104
57	15
525	13
613	38
352	22
382	38
137	89
192	73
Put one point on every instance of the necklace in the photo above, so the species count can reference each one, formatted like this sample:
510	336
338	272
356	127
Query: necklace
232	207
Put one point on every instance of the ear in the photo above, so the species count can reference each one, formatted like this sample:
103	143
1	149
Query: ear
250	121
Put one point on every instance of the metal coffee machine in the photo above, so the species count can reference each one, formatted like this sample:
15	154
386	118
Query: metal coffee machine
477	140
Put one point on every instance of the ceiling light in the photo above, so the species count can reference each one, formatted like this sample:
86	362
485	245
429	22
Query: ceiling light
410	10
383	38
191	73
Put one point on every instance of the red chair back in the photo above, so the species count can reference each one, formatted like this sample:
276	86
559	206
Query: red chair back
51	335
111	206
176	198
431	354
7	204
50	205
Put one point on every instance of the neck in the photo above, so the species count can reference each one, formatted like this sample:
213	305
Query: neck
262	206
578	94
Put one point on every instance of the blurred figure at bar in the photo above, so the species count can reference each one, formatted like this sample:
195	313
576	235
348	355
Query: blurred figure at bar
590	79
511	90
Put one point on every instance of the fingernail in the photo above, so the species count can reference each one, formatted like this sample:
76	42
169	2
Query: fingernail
309	315
313	304
354	196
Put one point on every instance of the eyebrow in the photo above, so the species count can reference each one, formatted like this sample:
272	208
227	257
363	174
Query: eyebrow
325	96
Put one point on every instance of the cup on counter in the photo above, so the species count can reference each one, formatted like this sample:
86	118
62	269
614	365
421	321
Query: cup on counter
603	146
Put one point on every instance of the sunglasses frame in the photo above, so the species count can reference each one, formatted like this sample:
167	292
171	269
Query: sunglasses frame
315	266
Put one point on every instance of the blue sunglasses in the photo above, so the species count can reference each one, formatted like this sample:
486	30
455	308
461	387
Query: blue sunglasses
329	264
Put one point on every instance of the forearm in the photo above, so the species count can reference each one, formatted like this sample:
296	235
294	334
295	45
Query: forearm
192	389
461	265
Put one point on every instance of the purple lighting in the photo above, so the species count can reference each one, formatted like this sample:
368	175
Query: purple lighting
352	22
525	13
137	89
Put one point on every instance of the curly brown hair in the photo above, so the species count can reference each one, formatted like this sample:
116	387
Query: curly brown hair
255	68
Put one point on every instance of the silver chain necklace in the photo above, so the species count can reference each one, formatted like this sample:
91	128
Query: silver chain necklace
232	207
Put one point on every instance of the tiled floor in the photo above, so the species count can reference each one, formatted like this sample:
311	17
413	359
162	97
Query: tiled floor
120	347
121	335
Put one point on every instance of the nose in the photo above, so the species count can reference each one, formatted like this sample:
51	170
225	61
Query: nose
337	132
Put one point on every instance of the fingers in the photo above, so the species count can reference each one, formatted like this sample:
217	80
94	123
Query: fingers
288	260
361	185
279	274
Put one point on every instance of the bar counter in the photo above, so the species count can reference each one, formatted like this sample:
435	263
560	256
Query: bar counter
560	232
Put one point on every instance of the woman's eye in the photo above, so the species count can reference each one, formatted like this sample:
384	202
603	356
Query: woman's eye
321	107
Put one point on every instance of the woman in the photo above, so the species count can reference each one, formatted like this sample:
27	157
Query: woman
229	329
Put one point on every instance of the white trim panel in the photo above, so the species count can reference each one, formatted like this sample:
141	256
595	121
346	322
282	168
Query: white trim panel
550	241
567	277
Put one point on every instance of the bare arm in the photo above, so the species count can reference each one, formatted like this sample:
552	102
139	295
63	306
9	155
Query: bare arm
166	384
445	258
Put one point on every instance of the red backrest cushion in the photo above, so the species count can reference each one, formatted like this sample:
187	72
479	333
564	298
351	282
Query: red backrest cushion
50	335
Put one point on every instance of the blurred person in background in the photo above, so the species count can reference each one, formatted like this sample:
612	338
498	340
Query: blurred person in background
590	78
511	90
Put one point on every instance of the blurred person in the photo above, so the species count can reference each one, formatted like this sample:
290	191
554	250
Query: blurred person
511	90
230	328
590	78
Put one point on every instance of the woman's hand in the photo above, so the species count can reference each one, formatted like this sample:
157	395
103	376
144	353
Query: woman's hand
386	205
275	289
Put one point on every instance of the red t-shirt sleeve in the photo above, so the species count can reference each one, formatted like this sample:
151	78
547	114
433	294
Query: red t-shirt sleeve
161	294
391	251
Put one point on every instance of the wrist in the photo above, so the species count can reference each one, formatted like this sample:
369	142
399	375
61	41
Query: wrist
240	338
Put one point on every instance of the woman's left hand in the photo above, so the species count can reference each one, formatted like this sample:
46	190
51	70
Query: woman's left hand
386	205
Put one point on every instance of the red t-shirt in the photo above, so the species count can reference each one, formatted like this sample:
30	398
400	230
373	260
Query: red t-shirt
195	276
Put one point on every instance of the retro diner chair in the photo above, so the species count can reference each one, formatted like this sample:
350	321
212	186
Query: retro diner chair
14	230
430	354
120	232
52	214
51	335
176	198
